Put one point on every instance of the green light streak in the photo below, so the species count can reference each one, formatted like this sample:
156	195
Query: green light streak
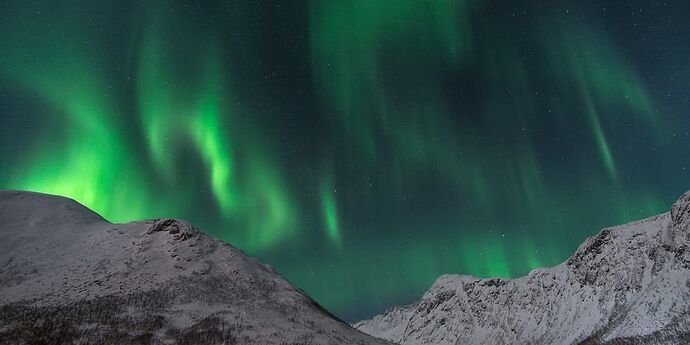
604	150
270	214
210	139
329	209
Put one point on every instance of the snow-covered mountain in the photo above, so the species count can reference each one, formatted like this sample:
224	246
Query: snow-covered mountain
68	276
629	284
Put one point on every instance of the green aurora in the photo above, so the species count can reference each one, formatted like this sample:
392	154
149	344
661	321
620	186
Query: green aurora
362	147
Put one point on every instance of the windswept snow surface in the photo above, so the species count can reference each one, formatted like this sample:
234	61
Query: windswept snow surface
69	276
630	284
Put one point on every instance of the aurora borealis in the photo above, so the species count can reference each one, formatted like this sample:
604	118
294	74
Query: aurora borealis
361	147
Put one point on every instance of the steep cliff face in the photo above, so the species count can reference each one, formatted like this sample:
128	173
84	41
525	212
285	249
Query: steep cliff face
628	284
69	276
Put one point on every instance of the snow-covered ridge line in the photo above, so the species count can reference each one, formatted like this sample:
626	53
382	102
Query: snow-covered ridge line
627	284
69	276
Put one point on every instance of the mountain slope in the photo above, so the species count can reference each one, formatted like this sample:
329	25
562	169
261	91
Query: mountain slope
69	276
629	284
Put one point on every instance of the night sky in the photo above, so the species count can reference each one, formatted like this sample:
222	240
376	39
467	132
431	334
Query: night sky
361	147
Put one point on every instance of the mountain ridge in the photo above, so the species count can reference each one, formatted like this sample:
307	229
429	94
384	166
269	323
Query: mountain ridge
69	276
627	284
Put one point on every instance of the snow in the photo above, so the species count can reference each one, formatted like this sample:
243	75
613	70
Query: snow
67	274
629	283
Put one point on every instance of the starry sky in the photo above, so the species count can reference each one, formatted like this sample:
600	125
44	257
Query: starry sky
361	147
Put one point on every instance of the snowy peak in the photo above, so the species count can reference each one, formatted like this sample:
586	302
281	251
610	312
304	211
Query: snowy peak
19	206
626	284
68	275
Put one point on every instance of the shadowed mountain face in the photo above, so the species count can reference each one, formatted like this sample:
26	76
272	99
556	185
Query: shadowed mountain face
69	276
629	284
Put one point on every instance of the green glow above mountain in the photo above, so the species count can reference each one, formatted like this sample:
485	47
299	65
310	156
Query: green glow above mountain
361	147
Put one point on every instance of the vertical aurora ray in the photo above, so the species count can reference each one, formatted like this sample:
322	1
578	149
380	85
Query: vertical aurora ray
602	144
329	209
270	215
603	82
207	133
